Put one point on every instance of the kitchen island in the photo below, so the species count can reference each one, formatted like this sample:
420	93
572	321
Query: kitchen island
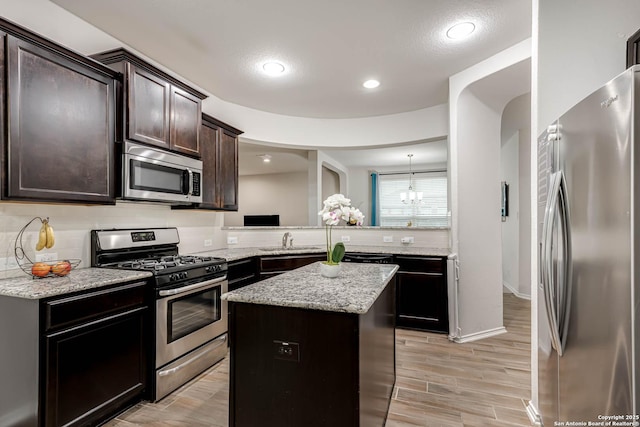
312	351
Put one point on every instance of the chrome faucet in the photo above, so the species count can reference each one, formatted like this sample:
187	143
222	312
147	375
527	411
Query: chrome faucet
286	237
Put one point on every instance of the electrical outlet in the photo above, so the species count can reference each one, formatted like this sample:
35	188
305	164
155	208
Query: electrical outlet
408	239
232	240
387	239
346	239
50	256
208	242
12	263
289	351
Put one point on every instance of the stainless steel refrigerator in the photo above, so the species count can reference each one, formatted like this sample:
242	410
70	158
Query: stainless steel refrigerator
588	296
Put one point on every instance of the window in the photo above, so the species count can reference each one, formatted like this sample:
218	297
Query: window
431	211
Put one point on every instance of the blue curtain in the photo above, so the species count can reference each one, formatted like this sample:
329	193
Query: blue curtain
375	200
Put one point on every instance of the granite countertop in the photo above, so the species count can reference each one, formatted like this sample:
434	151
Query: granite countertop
240	253
78	280
353	291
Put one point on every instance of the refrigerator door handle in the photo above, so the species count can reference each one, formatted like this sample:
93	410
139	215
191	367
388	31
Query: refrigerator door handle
564	287
548	284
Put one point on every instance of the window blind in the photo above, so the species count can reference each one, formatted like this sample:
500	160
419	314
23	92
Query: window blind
432	211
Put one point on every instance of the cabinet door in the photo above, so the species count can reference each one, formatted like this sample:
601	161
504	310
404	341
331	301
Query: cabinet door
422	301
228	171
272	266
148	107
186	118
209	157
61	127
242	273
93	371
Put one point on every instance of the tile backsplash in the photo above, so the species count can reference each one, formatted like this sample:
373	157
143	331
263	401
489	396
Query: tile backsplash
199	231
73	223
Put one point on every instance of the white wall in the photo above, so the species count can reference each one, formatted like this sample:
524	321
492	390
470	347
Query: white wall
582	45
509	172
330	183
477	99
281	194
516	123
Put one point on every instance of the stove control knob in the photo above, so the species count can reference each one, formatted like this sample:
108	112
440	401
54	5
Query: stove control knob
173	277
183	275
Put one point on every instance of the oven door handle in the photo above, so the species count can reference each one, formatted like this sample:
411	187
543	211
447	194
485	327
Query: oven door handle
220	340
188	288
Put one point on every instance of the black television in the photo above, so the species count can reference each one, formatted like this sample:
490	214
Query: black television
261	220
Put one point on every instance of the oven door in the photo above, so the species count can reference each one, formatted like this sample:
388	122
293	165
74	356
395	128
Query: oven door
188	317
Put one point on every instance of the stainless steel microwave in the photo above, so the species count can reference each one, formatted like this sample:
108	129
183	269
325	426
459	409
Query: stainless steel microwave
157	175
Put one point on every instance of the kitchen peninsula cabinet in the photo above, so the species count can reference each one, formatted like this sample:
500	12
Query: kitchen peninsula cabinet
157	108
59	106
422	299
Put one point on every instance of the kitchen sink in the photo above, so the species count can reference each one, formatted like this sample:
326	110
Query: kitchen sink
288	248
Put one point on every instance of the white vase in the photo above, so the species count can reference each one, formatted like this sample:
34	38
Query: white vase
329	270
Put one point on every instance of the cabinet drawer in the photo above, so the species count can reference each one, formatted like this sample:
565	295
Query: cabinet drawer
436	265
241	269
80	308
286	263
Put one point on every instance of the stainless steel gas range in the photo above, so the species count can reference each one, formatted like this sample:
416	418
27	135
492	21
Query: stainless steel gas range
190	317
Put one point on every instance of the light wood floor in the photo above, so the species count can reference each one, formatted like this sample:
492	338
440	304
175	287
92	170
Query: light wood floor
439	384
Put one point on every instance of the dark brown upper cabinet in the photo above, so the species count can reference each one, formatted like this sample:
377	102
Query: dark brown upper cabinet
157	108
58	138
219	148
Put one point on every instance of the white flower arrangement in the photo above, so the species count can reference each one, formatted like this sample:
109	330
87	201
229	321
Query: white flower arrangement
335	209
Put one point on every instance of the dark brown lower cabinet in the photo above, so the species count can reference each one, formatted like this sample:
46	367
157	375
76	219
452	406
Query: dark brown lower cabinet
94	354
94	370
242	272
74	360
422	300
297	367
270	266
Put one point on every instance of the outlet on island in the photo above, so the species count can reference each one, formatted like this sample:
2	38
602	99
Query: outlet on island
289	351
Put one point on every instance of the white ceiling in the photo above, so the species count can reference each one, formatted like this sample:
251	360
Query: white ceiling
330	47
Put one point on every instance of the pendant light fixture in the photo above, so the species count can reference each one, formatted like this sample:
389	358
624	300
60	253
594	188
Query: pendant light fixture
414	197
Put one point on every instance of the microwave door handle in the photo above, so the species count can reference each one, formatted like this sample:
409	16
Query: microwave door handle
190	172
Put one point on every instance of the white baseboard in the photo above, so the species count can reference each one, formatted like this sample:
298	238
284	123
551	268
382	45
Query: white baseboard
534	415
478	335
515	292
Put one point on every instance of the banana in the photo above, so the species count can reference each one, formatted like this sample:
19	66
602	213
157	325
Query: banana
51	240
42	236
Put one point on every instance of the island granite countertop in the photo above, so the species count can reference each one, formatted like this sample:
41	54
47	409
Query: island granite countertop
78	280
353	291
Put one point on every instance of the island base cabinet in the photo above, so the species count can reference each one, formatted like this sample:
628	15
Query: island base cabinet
298	367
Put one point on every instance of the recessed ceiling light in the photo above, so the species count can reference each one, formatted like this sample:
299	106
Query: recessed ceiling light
370	84
273	68
266	158
461	30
